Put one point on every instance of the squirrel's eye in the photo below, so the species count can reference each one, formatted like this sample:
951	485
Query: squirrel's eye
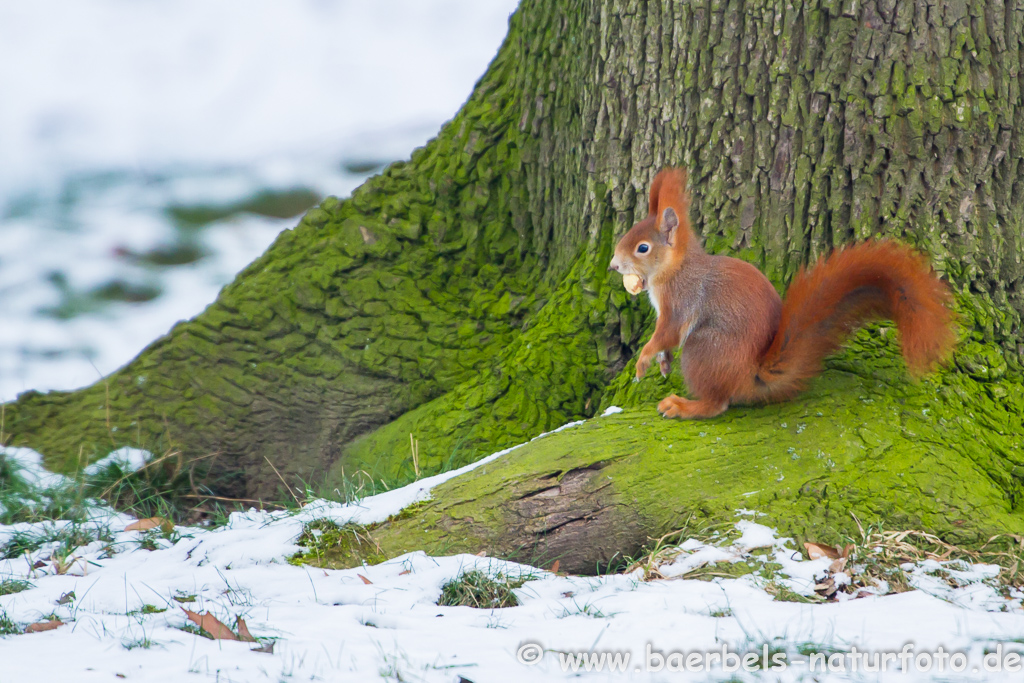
643	249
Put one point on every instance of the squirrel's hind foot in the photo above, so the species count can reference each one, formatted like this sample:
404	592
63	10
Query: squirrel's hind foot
673	406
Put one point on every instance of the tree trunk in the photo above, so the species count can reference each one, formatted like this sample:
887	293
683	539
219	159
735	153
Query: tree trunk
462	298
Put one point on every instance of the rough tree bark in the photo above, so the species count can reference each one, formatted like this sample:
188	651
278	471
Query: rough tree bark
462	296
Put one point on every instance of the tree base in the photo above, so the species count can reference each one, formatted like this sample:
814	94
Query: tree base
939	456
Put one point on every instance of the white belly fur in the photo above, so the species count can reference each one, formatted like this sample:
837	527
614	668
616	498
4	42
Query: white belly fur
684	331
654	300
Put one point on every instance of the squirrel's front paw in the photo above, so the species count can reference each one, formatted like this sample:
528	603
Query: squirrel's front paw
641	367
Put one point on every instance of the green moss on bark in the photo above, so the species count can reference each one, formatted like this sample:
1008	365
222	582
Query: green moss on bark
941	455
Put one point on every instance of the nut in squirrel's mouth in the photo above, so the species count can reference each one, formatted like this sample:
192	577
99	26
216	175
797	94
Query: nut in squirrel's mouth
634	284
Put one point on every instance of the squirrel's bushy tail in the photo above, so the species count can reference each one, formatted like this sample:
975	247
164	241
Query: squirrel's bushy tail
855	285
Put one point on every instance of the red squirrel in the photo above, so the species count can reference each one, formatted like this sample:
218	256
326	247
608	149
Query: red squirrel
740	342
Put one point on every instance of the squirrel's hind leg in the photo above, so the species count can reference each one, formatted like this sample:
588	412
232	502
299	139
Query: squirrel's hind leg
673	406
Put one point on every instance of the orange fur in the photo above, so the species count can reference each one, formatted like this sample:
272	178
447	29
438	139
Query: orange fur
879	280
669	190
739	342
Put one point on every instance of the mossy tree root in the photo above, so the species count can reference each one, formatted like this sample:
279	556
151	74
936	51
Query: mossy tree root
943	456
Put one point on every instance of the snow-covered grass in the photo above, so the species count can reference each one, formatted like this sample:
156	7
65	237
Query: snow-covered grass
128	478
120	597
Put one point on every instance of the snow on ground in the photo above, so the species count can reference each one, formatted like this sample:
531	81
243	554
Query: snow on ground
30	465
383	623
115	112
128	459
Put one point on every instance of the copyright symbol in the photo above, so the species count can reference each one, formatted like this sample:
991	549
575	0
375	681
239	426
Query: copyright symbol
530	654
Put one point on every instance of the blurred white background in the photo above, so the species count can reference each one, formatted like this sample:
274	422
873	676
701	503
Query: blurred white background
150	150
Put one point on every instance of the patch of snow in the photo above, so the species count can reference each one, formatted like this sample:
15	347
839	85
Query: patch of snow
30	467
754	536
799	575
705	554
129	459
611	410
958	582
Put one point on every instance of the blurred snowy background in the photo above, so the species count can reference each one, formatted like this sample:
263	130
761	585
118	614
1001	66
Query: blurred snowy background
150	150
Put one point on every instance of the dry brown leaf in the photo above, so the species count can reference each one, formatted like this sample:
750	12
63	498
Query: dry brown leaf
404	572
554	566
210	624
267	647
146	524
816	551
243	631
847	550
365	580
482	553
837	565
41	626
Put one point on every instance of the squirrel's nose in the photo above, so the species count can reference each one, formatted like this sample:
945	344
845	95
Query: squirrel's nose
613	265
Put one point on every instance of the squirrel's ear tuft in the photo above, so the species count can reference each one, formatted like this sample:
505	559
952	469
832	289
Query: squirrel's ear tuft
669	225
656	192
668	189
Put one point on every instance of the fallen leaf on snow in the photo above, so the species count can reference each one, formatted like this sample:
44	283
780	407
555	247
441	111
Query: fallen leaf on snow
365	580
243	631
146	524
41	626
816	551
826	588
210	624
554	566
